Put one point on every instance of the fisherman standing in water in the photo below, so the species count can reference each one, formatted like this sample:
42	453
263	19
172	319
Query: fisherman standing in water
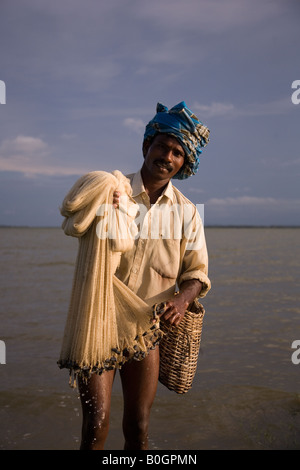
152	270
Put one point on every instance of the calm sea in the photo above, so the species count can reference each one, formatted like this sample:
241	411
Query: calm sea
246	393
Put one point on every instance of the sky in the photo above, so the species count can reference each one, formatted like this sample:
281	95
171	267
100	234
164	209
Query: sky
82	79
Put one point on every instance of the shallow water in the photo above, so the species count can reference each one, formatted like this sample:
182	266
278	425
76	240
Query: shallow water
246	392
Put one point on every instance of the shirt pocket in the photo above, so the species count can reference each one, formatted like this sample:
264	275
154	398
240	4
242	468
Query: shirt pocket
165	257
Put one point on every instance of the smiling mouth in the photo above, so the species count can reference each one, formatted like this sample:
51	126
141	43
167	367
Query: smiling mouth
163	166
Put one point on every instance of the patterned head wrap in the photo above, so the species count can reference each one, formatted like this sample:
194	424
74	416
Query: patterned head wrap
181	123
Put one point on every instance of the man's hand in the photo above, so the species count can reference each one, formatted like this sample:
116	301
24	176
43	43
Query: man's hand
116	199
176	307
175	310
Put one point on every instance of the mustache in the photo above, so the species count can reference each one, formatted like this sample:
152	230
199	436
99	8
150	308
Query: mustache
164	164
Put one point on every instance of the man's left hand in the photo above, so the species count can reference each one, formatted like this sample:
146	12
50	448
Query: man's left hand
176	307
175	310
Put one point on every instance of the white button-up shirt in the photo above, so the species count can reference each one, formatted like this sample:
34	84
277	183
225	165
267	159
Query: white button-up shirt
169	246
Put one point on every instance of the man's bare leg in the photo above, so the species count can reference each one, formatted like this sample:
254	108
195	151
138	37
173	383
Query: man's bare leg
139	382
95	398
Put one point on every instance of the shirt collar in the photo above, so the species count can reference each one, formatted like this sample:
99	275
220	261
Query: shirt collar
139	188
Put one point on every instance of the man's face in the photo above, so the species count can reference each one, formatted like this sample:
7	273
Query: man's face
164	156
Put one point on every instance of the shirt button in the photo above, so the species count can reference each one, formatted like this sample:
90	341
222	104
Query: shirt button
134	270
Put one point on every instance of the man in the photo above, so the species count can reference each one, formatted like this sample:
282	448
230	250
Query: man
172	144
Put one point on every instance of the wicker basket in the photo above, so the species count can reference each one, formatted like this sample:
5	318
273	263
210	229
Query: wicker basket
179	349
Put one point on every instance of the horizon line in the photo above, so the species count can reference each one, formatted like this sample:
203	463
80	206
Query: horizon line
205	226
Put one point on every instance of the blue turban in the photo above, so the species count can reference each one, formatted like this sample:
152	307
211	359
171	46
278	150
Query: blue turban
182	124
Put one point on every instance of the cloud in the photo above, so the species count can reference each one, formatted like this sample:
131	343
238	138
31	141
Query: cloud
241	200
22	153
196	190
288	163
214	109
251	210
169	52
265	204
92	77
210	16
23	145
135	124
218	109
275	107
31	156
157	33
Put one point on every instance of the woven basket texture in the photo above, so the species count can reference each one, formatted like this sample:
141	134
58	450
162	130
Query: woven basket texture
179	350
